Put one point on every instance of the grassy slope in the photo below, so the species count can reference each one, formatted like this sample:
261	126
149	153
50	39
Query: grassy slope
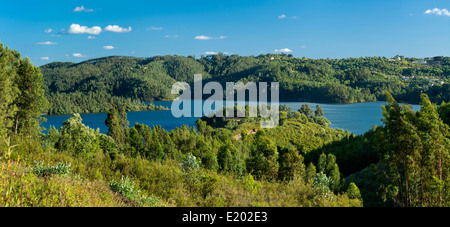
21	188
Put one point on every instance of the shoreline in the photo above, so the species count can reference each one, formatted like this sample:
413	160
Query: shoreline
290	101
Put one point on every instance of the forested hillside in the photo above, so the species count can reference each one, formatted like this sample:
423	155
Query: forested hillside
220	162
87	86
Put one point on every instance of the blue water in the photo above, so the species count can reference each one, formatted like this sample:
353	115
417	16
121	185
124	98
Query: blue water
357	118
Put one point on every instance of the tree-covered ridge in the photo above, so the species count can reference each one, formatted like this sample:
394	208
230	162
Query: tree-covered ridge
92	85
88	86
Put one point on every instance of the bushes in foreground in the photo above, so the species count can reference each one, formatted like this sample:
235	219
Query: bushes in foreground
20	187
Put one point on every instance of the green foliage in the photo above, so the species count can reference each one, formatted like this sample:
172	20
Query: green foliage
250	184
291	164
190	164
353	191
310	173
8	89
149	201
30	101
192	172
22	99
318	112
263	162
125	187
117	123
321	184
306	110
92	85
8	149
18	189
322	163
417	151
444	112
45	170
78	138
224	162
230	160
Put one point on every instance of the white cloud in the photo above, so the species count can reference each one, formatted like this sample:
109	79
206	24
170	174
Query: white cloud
155	28
282	16
82	9
116	28
215	53
95	30
171	36
47	43
439	12
284	50
78	55
108	47
304	46
204	37
45	58
48	30
78	29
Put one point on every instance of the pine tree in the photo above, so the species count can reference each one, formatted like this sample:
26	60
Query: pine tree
353	191
321	166
318	112
135	140
434	159
304	109
117	123
291	164
404	145
31	102
310	173
263	162
8	90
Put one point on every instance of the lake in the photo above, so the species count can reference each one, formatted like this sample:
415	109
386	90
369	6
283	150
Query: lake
357	118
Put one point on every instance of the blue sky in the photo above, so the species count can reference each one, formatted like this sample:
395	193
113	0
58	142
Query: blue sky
50	30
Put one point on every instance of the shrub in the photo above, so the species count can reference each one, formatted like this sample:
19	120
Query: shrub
250	184
150	201
322	185
190	164
192	173
44	170
125	187
21	188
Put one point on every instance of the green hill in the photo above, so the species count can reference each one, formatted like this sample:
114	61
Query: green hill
87	86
